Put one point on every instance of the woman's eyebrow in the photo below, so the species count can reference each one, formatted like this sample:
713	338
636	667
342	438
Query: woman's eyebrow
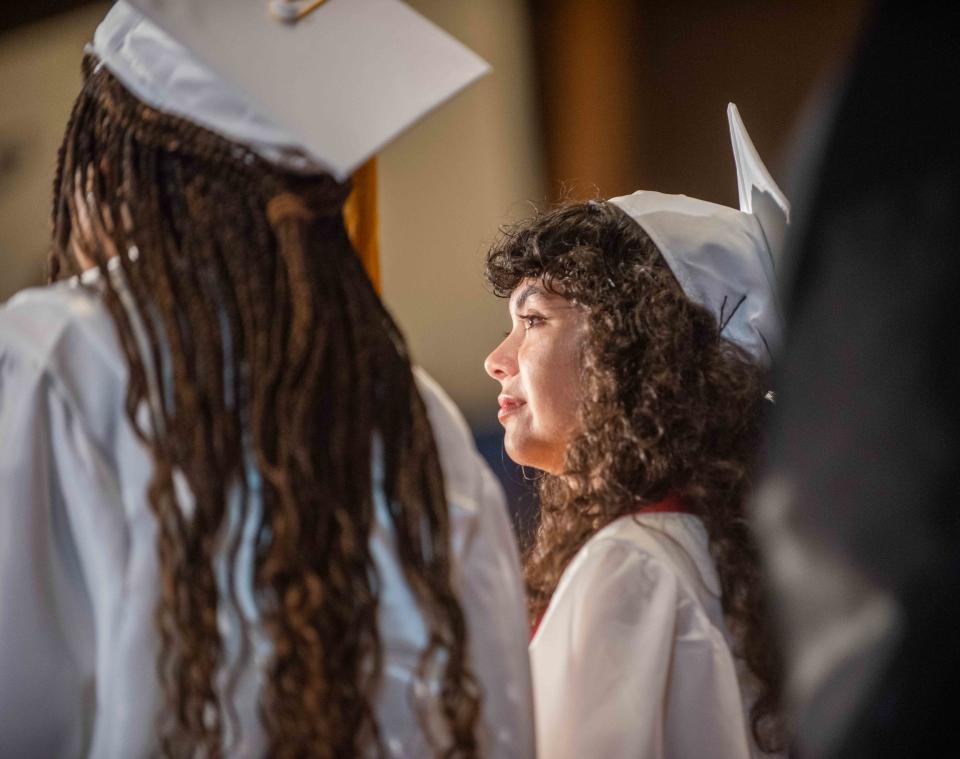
528	292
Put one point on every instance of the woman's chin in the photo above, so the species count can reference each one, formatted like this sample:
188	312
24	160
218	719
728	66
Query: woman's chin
529	454
518	452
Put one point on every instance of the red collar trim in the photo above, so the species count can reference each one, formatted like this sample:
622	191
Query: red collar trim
670	504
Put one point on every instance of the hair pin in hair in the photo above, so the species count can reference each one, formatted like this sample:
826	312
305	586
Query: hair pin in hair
292	11
723	306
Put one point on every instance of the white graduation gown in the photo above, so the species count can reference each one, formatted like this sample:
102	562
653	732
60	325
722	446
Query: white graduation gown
78	565
632	657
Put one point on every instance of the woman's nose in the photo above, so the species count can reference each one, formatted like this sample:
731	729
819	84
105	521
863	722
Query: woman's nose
501	363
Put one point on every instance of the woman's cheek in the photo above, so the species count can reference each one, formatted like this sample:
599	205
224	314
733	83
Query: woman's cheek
549	400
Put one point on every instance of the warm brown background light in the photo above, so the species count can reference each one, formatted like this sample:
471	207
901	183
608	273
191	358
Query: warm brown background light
587	98
634	92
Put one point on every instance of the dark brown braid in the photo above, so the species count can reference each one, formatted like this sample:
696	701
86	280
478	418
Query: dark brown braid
669	409
270	367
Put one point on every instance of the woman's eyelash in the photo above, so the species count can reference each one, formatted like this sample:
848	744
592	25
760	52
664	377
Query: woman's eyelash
529	322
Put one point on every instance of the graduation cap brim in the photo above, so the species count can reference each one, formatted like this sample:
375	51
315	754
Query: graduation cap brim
343	81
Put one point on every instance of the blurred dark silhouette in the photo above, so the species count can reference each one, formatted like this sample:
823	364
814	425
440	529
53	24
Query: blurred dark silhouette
858	508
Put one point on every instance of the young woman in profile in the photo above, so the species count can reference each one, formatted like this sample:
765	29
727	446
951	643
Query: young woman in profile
634	377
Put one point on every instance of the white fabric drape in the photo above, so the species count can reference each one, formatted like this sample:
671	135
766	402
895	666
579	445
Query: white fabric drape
632	658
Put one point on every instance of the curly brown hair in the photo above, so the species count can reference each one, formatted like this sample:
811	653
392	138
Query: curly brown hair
269	365
669	408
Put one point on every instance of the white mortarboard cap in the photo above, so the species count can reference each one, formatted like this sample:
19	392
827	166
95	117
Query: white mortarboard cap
320	94
725	259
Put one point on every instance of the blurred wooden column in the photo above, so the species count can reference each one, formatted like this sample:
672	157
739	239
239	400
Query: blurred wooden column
591	72
361	216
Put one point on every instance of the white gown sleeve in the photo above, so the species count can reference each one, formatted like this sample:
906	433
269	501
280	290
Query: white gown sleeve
47	645
493	599
625	665
489	580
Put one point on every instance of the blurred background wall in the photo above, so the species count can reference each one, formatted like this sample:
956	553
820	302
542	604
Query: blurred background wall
39	78
586	99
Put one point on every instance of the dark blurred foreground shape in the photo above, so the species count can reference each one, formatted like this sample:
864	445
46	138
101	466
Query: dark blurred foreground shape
858	509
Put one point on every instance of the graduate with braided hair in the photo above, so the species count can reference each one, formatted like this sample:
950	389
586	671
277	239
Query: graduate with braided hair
234	521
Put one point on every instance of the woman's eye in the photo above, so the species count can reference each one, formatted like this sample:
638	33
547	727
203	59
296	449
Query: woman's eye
529	322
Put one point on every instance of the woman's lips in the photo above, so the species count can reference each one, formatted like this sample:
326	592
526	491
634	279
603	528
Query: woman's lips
508	405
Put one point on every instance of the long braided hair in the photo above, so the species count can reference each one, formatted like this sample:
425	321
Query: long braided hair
669	408
269	367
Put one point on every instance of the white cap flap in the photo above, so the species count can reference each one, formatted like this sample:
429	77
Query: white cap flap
759	194
335	86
